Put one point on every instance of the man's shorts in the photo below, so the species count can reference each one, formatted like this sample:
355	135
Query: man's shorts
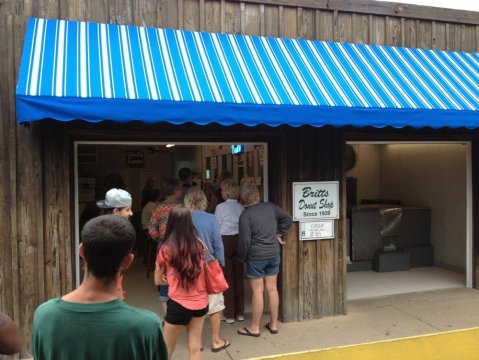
258	269
216	303
176	314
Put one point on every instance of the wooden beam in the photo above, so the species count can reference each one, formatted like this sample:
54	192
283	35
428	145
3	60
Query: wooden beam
202	15
381	8
223	16
262	25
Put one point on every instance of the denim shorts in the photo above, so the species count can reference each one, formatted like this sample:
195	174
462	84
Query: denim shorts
258	269
163	292
176	314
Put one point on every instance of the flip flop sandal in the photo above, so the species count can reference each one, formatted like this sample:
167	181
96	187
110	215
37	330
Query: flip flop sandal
245	332
272	331
225	345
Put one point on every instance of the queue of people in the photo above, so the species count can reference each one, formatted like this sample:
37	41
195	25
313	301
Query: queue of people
242	233
248	233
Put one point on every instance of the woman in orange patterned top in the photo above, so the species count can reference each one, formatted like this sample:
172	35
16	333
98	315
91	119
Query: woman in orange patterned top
158	221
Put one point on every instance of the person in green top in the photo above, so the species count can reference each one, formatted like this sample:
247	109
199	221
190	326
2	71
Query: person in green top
91	322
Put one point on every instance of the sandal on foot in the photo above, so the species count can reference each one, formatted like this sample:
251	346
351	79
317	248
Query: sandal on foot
272	331
225	345
245	331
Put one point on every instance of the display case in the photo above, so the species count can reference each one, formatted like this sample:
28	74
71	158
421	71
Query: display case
371	232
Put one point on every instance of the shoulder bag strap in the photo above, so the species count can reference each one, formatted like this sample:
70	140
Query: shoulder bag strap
205	249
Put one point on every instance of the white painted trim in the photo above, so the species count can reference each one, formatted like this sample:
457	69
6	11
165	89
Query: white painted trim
77	215
469	238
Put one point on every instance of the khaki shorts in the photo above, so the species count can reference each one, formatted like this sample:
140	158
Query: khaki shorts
216	303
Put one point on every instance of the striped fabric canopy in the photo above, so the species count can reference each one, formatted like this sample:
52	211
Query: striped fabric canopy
77	70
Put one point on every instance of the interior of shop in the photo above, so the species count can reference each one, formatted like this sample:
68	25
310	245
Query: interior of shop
101	166
407	205
407	217
98	163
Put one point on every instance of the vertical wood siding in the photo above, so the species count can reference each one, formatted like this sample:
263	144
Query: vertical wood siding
9	289
35	171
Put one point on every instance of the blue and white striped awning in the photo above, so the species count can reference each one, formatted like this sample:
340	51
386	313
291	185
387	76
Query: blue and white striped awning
77	70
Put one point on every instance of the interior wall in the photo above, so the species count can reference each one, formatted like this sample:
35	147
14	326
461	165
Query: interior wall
158	161
431	175
366	171
187	156
215	155
112	159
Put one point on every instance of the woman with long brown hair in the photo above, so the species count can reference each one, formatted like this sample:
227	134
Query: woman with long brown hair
179	264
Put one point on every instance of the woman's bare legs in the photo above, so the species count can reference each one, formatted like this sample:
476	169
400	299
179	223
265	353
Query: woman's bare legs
257	304
273	300
194	329
171	334
215	320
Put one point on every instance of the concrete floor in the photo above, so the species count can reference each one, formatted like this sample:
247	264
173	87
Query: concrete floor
377	317
367	284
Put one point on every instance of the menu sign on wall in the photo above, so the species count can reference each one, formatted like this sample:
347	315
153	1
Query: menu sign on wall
135	159
316	200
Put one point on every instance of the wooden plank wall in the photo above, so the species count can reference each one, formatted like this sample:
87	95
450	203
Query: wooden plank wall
37	238
313	277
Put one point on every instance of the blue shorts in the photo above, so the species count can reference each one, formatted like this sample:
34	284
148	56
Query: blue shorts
176	314
258	269
163	292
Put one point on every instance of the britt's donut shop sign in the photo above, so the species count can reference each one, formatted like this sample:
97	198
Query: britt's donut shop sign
316	200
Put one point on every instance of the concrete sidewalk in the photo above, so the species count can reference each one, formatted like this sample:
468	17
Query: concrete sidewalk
375	319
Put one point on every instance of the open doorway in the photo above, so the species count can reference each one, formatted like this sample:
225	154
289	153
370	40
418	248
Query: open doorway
132	163
409	217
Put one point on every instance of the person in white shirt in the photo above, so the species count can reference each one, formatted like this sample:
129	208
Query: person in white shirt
228	213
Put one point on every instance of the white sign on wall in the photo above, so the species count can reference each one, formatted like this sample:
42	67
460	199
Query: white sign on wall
316	200
316	230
